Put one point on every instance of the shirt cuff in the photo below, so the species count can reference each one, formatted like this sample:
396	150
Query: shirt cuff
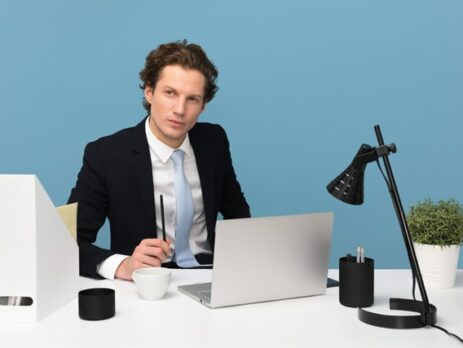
107	269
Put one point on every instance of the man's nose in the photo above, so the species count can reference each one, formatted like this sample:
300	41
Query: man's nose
179	107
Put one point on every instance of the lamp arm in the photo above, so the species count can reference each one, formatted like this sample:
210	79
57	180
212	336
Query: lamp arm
405	231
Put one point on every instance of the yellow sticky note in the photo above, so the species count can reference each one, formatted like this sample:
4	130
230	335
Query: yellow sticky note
69	215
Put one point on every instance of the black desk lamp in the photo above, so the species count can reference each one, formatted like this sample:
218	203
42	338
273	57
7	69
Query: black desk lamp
348	187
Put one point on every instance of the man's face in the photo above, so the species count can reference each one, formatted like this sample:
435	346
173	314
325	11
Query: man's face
176	103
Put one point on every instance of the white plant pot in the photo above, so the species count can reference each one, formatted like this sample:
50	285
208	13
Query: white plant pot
438	264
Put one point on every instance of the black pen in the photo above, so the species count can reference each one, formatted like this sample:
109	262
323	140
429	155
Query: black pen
162	220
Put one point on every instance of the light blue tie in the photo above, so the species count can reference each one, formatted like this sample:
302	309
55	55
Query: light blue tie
184	214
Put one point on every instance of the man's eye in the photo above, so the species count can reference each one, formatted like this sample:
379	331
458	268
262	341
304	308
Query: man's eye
169	93
194	99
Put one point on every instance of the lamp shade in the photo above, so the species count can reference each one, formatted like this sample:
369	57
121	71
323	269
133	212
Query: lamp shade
348	186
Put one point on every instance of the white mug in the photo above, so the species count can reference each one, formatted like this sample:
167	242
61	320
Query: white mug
152	282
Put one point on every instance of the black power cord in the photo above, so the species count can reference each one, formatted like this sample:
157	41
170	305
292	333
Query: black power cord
448	333
414	279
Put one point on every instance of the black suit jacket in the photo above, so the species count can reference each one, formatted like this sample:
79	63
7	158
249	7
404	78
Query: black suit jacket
116	182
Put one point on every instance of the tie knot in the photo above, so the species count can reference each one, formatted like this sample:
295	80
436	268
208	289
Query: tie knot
177	157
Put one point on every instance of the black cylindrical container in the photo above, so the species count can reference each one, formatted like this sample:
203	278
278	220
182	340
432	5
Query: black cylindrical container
96	304
356	282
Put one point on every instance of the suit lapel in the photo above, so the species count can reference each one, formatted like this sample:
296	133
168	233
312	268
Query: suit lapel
144	174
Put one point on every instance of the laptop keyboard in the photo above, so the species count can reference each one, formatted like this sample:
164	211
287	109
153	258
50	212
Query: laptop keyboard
205	296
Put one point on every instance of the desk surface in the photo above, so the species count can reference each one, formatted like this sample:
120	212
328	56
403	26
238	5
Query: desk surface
178	321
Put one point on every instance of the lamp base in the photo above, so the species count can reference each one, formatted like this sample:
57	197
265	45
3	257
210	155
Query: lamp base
400	321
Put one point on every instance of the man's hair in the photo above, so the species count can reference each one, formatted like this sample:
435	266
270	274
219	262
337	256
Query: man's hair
184	54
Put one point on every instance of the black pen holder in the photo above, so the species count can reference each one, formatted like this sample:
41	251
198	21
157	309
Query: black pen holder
356	282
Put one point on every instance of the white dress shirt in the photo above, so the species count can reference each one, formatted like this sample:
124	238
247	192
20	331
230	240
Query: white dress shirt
163	182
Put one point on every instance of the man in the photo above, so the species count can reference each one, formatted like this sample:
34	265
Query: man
169	154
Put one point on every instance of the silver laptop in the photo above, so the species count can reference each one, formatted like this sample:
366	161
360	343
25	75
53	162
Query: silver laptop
267	258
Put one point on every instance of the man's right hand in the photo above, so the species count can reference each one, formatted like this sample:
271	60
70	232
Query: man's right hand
151	252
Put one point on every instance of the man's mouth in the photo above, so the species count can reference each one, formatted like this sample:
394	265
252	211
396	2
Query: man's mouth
175	123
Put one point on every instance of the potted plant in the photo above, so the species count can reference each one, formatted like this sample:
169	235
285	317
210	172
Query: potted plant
437	232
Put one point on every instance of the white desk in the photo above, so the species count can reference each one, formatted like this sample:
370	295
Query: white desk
178	321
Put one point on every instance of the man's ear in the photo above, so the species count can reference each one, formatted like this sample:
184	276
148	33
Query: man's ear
148	93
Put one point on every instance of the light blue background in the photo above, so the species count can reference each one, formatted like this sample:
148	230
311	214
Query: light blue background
302	83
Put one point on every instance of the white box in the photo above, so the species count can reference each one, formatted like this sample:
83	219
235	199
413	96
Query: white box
38	256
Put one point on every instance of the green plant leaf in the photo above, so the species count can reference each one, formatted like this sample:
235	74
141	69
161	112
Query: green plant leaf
438	223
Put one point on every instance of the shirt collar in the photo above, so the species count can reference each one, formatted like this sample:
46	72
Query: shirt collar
162	150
